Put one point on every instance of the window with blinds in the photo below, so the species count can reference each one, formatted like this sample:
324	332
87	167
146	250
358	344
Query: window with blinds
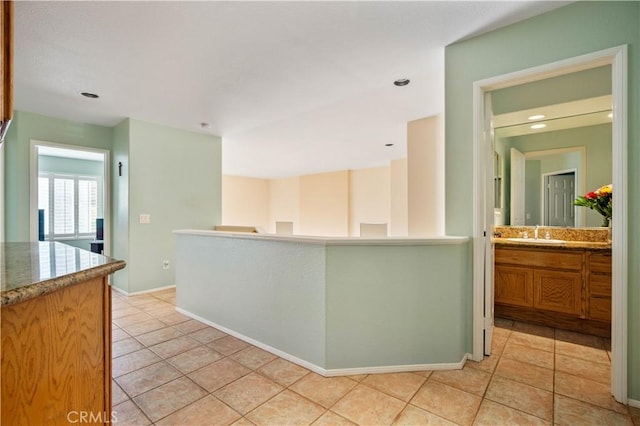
71	204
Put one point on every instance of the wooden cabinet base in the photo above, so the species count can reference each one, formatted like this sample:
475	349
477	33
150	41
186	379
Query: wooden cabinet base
554	319
569	290
56	357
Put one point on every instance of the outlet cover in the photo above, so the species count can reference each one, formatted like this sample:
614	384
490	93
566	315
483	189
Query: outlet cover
145	218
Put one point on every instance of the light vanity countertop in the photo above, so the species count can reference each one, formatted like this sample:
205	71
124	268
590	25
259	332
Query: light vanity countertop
598	239
32	269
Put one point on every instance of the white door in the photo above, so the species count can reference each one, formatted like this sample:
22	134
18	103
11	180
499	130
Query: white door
560	191
517	188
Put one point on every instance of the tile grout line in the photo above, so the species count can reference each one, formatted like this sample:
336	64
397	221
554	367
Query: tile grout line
325	410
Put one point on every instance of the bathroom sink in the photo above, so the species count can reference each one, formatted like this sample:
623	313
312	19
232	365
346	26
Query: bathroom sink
533	240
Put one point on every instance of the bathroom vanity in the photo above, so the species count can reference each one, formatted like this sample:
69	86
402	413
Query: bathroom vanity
563	284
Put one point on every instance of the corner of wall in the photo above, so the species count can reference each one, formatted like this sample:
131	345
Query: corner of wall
120	202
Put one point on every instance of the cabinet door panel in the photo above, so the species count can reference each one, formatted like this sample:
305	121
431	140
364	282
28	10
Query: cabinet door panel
513	285
558	291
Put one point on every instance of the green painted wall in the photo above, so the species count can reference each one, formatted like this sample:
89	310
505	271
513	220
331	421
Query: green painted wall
120	202
25	127
596	141
70	165
412	298
532	198
270	291
573	30
585	84
175	176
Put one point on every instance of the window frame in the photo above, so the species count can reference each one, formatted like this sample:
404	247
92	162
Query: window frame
49	233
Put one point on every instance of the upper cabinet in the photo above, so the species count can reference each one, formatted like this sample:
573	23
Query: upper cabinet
6	66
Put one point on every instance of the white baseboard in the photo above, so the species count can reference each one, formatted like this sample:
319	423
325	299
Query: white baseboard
634	403
119	290
135	293
396	368
335	371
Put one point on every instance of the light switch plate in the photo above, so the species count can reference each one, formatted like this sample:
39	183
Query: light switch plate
145	218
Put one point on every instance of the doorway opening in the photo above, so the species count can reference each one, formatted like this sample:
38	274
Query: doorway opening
70	195
483	218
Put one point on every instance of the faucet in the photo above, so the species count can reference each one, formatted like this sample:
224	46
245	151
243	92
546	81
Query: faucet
535	232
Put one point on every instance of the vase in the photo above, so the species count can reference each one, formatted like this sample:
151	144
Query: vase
606	222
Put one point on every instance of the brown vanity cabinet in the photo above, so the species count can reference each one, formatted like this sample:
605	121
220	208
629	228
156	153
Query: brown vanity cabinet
569	289
599	278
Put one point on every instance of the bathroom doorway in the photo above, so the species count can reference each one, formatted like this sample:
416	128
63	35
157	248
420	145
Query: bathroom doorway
484	206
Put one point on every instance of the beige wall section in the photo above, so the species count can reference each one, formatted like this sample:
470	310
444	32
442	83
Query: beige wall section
398	200
408	195
245	202
425	172
284	203
324	204
369	195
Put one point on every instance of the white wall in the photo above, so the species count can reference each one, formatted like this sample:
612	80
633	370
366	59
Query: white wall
327	204
425	171
399	199
369	197
284	203
245	202
324	204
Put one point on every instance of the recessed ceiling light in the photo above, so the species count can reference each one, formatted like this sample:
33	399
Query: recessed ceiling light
539	126
89	95
536	117
388	144
402	82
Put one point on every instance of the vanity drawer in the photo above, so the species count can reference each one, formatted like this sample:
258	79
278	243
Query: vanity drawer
600	263
555	259
600	285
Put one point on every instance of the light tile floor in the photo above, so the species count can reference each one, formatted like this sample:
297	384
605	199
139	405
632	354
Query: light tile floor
169	369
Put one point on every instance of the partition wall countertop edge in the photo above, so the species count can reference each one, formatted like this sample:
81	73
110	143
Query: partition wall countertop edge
330	241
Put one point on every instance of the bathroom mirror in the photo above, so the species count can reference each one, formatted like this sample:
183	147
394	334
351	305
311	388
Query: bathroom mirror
552	142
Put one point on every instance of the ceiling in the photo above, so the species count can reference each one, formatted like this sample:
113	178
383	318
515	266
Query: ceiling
291	87
568	115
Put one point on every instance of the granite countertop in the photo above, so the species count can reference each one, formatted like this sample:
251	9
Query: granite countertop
542	244
32	269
